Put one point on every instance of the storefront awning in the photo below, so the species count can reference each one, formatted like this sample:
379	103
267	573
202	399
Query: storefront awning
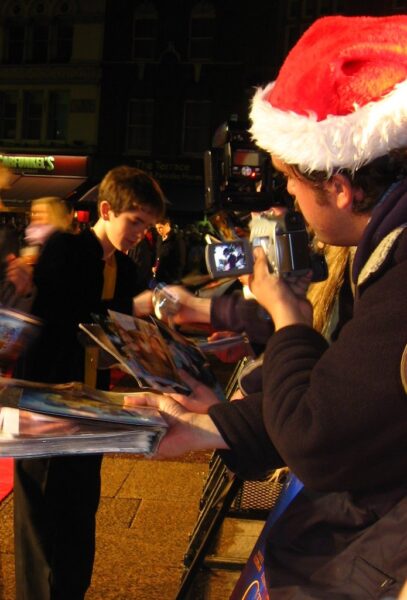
27	187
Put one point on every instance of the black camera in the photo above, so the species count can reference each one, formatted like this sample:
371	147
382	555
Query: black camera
285	242
239	175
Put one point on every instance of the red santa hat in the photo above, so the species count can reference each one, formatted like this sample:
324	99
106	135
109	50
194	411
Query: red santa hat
340	99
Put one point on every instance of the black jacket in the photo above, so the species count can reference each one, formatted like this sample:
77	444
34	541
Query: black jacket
171	258
69	282
337	416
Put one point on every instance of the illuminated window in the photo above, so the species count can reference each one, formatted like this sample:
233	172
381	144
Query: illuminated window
140	120
8	115
201	32
57	120
144	31
33	102
197	127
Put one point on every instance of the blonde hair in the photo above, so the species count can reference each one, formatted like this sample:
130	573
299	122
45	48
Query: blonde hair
59	214
324	295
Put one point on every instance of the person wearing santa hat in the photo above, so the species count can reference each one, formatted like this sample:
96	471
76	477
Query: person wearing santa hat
335	124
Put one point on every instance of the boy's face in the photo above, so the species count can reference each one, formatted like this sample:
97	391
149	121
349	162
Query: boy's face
127	228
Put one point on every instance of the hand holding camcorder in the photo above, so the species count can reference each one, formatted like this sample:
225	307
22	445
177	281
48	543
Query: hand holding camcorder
285	242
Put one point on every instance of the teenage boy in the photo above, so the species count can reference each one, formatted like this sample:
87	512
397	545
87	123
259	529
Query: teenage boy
55	499
335	123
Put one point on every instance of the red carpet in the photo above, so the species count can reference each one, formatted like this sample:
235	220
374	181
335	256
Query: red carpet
6	477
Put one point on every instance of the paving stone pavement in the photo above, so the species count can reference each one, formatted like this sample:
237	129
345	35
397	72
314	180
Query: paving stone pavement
147	513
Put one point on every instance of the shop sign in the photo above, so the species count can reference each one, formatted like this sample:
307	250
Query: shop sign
74	166
188	171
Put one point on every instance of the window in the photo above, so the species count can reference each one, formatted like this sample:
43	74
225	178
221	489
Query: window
8	115
58	108
15	43
32	115
62	42
140	126
197	127
144	31
34	35
201	32
39	43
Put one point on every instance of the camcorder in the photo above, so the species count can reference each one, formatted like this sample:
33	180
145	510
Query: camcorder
240	176
285	242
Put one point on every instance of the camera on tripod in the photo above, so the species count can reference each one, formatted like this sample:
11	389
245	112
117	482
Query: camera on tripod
240	176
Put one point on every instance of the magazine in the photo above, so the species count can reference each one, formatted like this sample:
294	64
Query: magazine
38	419
222	343
151	352
17	331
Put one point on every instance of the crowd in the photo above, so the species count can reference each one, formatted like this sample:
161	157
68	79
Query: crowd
328	396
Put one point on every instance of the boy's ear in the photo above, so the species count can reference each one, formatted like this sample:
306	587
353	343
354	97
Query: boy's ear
104	209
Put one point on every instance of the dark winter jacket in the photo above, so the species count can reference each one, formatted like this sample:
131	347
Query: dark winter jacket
69	282
171	258
337	416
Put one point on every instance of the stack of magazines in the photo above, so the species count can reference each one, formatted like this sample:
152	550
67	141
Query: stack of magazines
42	419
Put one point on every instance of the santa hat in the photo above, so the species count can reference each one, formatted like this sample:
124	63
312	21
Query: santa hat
340	99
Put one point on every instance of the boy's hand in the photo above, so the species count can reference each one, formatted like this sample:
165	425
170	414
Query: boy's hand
191	308
143	304
20	274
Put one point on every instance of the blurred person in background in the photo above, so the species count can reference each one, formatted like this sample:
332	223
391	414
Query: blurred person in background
144	255
170	254
48	216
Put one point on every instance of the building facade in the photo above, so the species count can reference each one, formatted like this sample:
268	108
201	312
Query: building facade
143	82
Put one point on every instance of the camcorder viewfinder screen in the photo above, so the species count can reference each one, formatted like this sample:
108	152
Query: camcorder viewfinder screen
230	257
246	158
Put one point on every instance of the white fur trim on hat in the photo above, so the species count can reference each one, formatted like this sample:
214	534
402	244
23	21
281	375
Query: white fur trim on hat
337	142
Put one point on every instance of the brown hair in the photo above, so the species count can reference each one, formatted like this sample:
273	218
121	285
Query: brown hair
373	178
128	188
